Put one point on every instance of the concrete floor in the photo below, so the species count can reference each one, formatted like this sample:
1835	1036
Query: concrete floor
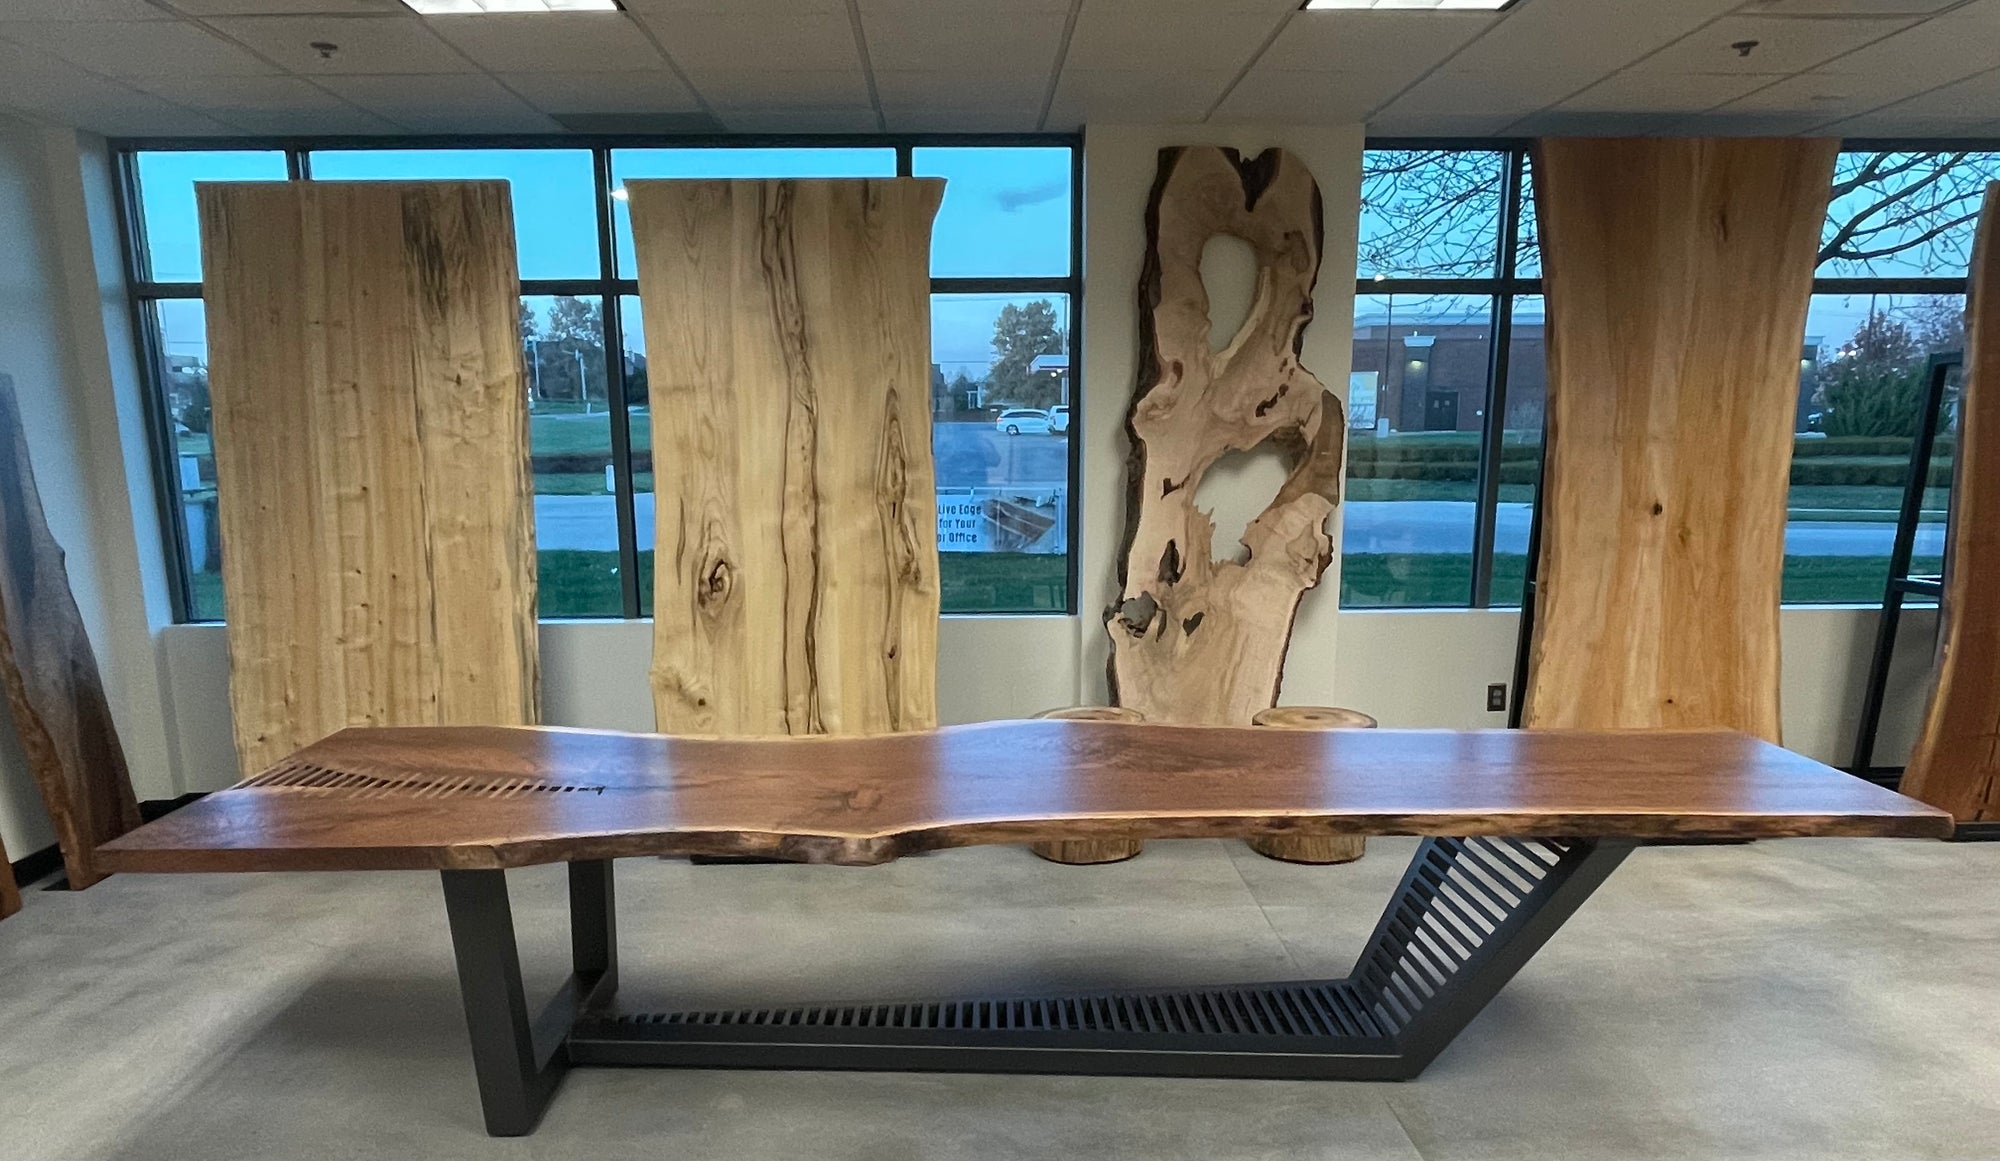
1814	999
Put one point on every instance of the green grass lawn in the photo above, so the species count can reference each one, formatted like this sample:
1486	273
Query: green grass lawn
585	584
1376	580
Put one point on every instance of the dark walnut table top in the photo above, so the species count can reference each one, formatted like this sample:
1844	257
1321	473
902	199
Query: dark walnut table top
481	797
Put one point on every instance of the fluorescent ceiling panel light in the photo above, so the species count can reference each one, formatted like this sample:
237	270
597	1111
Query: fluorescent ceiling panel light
487	7
1411	5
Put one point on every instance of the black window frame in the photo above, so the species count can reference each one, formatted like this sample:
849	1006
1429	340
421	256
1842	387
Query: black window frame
608	286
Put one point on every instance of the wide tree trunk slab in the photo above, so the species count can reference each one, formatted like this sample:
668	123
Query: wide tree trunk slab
1678	272
796	588
371	457
1956	762
1195	639
50	671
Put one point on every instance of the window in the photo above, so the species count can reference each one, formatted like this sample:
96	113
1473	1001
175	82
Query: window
1448	383
1005	276
1894	255
1447	341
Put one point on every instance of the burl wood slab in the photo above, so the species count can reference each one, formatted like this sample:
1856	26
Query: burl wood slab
371	455
1678	272
1956	762
796	573
470	797
1193	638
51	676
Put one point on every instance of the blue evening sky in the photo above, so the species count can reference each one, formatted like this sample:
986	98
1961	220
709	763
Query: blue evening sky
1006	213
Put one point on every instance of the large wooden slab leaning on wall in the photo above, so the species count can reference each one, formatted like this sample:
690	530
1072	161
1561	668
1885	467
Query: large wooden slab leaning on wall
371	454
1678	272
1956	765
50	671
788	343
1195	639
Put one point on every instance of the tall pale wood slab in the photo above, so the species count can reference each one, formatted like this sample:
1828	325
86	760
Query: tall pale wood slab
1193	638
1678	272
788	338
50	672
371	440
1956	762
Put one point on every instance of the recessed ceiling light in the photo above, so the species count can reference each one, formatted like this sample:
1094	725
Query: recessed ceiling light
1412	5
487	7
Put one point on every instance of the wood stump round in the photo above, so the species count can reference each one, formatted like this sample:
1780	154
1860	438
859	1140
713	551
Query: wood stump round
1086	852
1314	849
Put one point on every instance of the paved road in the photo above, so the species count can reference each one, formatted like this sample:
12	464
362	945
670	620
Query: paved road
1422	526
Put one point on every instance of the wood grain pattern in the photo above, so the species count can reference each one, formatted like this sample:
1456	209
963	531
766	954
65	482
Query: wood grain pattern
10	891
1678	272
1314	850
1956	761
371	443
1195	639
1090	852
50	671
796	586
454	796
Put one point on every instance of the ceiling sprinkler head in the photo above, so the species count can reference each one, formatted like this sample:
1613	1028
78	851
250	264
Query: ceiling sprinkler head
325	48
1745	47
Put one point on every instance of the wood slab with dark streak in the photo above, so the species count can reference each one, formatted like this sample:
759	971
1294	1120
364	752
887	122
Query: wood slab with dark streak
492	797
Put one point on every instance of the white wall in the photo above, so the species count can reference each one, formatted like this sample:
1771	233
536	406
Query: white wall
62	314
64	337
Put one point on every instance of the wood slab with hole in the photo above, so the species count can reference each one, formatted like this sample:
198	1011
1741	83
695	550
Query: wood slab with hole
796	581
1956	761
1678	272
496	797
371	456
50	672
1195	639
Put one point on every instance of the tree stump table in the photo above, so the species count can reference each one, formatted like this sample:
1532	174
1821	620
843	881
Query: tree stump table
1313	849
1086	852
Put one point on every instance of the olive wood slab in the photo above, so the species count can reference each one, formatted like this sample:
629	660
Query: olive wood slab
495	797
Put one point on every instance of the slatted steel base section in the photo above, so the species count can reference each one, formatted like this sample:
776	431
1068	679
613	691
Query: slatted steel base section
1468	914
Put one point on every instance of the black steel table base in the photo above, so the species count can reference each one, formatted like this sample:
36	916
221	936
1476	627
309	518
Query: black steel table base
1468	914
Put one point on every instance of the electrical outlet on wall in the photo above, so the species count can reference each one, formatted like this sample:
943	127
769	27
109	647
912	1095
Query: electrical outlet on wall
1496	697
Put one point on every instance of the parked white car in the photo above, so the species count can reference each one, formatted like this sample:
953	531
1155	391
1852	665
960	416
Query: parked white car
1059	420
1023	421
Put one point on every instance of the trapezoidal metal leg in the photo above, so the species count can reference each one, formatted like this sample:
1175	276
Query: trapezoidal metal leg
518	1057
1468	915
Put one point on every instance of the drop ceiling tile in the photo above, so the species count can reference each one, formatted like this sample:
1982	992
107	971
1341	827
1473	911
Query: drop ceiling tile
1587	123
834	89
559	42
80	10
923	39
1010	117
288	7
131	49
1471	125
1137	95
707	44
741	8
1515	92
334	119
1192	39
1830	95
273	92
1315	98
442	104
1363	42
651	91
1783	46
1952	46
1584	39
1635	92
959	89
366	44
1973	99
1848	7
819	120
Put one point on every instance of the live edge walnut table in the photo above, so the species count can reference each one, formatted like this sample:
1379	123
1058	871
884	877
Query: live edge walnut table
1519	828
